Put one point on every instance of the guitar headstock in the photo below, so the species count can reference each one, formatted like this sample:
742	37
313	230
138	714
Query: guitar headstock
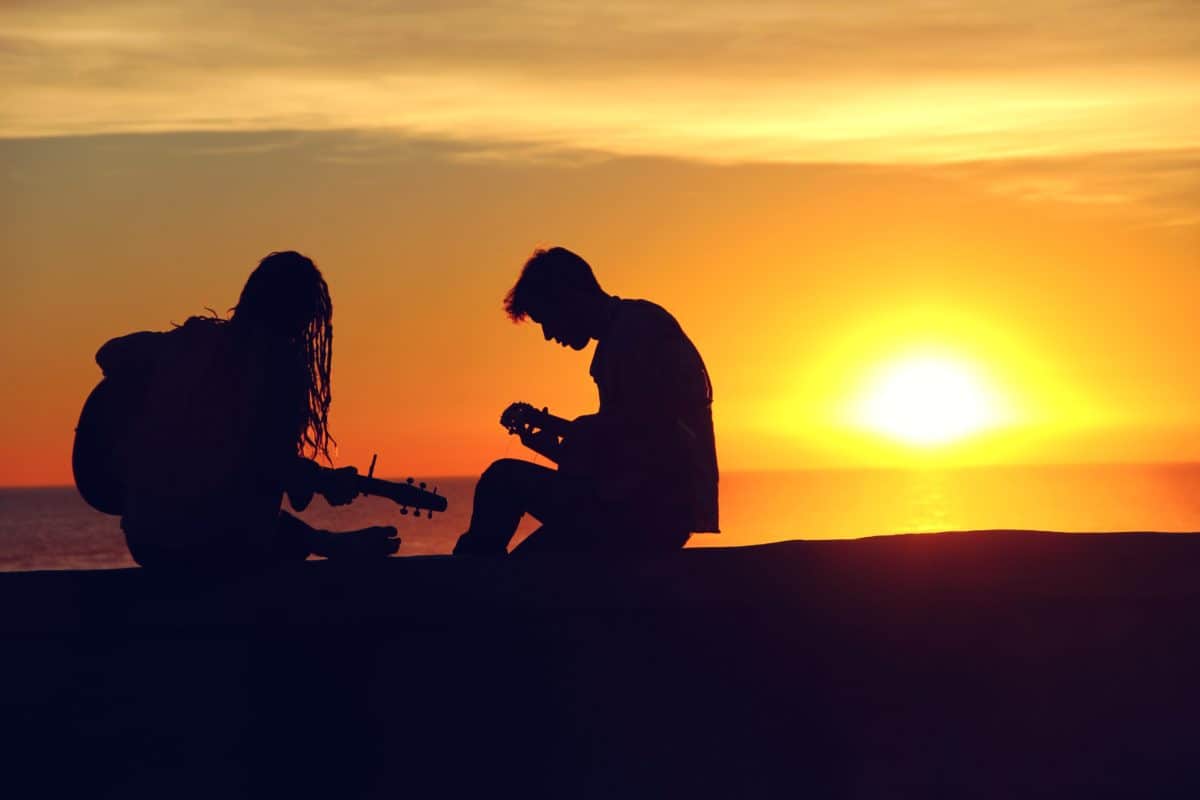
423	499
519	416
407	495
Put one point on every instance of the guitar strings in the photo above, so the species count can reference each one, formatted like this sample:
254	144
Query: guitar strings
537	457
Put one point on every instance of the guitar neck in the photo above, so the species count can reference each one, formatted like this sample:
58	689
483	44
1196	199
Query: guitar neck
404	494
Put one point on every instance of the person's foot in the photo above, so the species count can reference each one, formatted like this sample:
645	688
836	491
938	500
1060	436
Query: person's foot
468	545
379	541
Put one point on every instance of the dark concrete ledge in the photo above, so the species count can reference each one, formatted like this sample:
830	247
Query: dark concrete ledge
787	575
983	664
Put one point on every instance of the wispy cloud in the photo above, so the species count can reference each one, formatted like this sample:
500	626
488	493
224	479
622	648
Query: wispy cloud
730	80
1162	187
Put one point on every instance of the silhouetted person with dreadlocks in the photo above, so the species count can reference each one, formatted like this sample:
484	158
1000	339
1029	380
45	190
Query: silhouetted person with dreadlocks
638	476
217	420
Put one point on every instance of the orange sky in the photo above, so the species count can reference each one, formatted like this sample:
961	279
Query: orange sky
809	191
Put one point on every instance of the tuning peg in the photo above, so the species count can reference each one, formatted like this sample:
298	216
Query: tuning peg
429	514
409	481
435	490
404	512
421	485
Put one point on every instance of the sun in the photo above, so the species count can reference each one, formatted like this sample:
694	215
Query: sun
926	400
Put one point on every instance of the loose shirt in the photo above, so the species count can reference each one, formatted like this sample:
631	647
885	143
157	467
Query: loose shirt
656	399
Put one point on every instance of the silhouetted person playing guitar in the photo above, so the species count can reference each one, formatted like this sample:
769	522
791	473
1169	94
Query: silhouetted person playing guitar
196	433
640	475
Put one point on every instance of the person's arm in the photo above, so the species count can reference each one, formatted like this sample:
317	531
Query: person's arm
280	412
543	442
306	477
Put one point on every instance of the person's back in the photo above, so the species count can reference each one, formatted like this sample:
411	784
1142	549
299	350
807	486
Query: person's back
656	401
203	456
217	415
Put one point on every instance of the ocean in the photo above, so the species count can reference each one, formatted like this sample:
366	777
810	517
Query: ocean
52	528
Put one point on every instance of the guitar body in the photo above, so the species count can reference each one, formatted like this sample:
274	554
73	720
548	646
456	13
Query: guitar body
102	424
587	449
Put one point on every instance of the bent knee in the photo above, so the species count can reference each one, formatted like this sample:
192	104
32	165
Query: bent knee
503	468
513	474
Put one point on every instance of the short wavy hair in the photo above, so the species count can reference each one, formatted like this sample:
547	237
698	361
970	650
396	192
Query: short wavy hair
545	276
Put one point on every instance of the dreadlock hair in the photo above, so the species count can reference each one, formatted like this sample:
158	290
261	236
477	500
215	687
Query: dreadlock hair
545	275
287	295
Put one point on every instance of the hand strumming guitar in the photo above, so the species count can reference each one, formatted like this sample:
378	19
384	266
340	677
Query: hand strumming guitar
587	446
540	431
339	486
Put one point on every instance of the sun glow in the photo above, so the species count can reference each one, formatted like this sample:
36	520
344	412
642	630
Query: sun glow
927	400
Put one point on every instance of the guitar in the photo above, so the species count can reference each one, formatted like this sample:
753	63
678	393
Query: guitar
103	424
406	495
523	417
584	449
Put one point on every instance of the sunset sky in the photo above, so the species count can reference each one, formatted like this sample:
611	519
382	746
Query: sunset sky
839	202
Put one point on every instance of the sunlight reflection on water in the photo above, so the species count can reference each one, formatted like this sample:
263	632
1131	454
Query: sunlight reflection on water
52	528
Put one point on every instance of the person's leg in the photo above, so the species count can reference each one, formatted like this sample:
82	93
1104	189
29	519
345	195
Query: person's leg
296	539
662	540
506	491
292	539
600	539
557	539
234	550
576	521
